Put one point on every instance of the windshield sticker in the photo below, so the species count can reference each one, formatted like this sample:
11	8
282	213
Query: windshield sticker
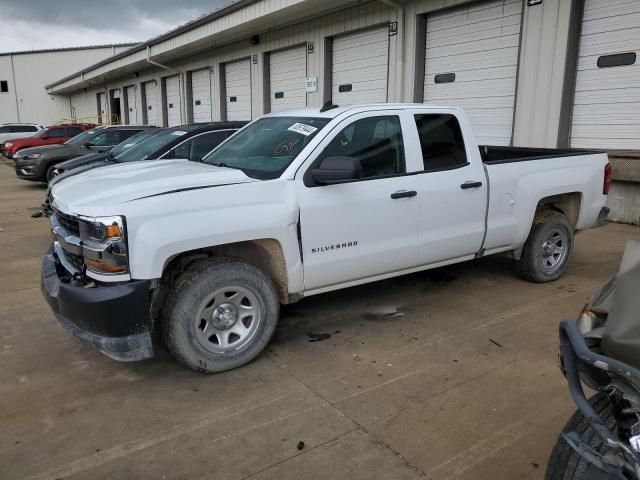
303	129
178	133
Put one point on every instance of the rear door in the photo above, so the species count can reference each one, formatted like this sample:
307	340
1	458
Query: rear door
368	227
56	135
451	188
238	90
172	101
201	95
287	73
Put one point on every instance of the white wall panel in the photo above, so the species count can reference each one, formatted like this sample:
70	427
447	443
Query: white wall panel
201	95
172	101
287	73
479	44
238	90
151	103
606	108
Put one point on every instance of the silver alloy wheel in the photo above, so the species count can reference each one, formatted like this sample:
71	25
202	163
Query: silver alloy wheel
554	250
227	319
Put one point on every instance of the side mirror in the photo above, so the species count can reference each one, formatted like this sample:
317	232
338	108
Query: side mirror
337	170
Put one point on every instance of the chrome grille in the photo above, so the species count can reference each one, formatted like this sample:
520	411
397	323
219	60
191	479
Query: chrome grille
68	222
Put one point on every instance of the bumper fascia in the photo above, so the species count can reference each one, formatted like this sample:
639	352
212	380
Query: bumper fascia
116	319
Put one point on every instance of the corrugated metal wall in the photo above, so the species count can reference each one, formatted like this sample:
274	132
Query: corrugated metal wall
28	73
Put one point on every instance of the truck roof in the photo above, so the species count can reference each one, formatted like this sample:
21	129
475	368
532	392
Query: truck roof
337	110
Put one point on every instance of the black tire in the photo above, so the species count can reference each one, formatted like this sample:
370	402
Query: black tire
564	462
534	263
48	176
185	301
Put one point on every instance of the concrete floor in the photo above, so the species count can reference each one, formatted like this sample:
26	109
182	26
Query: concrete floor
442	375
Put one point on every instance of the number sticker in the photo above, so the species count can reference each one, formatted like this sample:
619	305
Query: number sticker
302	129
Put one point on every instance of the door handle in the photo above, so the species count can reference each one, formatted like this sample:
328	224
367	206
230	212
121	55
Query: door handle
404	194
470	184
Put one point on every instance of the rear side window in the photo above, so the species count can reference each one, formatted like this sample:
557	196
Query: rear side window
375	141
124	134
197	147
73	131
56	133
6	129
23	128
441	141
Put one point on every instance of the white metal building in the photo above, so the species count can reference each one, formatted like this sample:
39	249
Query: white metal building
528	72
23	76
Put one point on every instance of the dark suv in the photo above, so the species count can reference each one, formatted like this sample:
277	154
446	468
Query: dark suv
38	163
191	142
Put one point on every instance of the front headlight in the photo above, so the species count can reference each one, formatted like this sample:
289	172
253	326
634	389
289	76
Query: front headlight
8	145
104	244
33	156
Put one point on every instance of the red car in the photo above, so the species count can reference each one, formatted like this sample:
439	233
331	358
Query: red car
52	135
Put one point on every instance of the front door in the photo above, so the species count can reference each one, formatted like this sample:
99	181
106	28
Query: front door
363	228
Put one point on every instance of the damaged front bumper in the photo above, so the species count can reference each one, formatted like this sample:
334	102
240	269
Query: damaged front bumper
582	365
114	318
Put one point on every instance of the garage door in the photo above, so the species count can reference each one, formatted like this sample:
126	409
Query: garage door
606	110
132	111
150	104
471	61
201	95
287	74
102	108
238	90
172	101
360	67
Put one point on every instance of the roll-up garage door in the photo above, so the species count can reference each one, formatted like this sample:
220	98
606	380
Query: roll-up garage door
172	101
150	104
360	67
201	95
132	111
103	118
471	61
606	108
238	90
287	73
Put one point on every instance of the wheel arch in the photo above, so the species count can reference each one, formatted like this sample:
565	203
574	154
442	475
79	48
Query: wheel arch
266	254
569	204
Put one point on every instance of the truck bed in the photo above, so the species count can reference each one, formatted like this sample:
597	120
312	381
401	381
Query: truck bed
493	155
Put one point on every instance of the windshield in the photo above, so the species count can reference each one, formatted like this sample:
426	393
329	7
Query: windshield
132	141
149	146
83	137
267	147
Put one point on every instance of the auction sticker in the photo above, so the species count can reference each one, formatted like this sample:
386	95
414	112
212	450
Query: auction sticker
303	129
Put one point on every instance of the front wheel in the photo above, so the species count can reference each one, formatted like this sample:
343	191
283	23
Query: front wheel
547	250
52	172
220	315
565	463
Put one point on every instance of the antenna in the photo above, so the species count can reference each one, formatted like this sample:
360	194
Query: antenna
328	106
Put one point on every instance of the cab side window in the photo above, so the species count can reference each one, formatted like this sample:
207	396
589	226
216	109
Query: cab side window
375	141
73	131
441	141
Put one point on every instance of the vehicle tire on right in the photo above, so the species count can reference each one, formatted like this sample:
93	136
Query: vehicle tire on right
51	173
564	462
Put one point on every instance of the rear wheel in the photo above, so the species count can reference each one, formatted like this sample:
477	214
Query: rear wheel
547	249
219	315
565	463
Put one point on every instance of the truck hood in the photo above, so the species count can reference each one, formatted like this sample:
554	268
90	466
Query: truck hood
122	183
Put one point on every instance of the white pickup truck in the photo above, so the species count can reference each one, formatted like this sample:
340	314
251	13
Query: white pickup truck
296	204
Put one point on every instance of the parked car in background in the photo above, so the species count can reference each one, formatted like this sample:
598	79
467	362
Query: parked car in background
296	204
9	131
95	158
189	142
53	135
38	163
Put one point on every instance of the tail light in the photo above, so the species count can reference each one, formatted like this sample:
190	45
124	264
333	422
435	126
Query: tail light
607	179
